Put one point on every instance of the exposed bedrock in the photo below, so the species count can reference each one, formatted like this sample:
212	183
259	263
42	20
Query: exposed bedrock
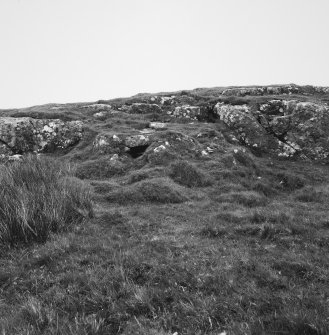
285	128
275	90
25	134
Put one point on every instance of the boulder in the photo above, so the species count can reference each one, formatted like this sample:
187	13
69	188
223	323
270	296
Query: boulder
25	134
304	126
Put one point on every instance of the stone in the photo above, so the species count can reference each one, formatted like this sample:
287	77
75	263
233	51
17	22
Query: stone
286	128
136	141
25	134
109	143
186	111
159	148
158	125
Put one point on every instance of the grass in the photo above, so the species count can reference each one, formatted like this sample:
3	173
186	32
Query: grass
185	173
100	168
38	197
179	243
157	190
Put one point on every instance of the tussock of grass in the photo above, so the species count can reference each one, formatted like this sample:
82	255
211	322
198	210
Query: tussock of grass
39	196
157	190
184	173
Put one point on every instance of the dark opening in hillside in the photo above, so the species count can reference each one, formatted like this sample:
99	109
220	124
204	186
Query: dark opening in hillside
138	151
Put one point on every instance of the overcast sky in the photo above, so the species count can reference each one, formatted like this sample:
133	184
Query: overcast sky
85	50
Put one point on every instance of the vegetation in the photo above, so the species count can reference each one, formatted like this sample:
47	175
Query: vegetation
38	197
180	242
188	175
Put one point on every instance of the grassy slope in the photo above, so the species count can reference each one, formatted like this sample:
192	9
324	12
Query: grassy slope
245	252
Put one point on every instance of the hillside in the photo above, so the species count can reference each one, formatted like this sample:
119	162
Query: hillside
210	215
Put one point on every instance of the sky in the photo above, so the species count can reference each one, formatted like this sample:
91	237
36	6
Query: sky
58	51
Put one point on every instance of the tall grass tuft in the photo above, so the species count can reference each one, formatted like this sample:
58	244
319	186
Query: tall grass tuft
40	196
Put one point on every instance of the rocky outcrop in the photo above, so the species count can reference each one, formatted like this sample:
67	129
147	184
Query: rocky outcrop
23	135
154	145
287	128
120	143
186	111
275	90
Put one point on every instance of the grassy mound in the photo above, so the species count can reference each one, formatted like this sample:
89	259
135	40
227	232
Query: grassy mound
39	196
100	168
157	190
184	173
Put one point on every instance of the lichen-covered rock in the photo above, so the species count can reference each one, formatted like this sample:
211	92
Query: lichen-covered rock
304	126
284	128
120	143
109	143
186	111
163	100
274	90
241	120
136	141
144	108
22	135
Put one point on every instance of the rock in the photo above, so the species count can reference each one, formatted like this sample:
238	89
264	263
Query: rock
15	158
167	100
284	128
246	129
119	144
22	135
302	126
158	125
274	90
144	108
147	131
204	153
109	143
100	115
136	141
159	148
115	157
186	111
